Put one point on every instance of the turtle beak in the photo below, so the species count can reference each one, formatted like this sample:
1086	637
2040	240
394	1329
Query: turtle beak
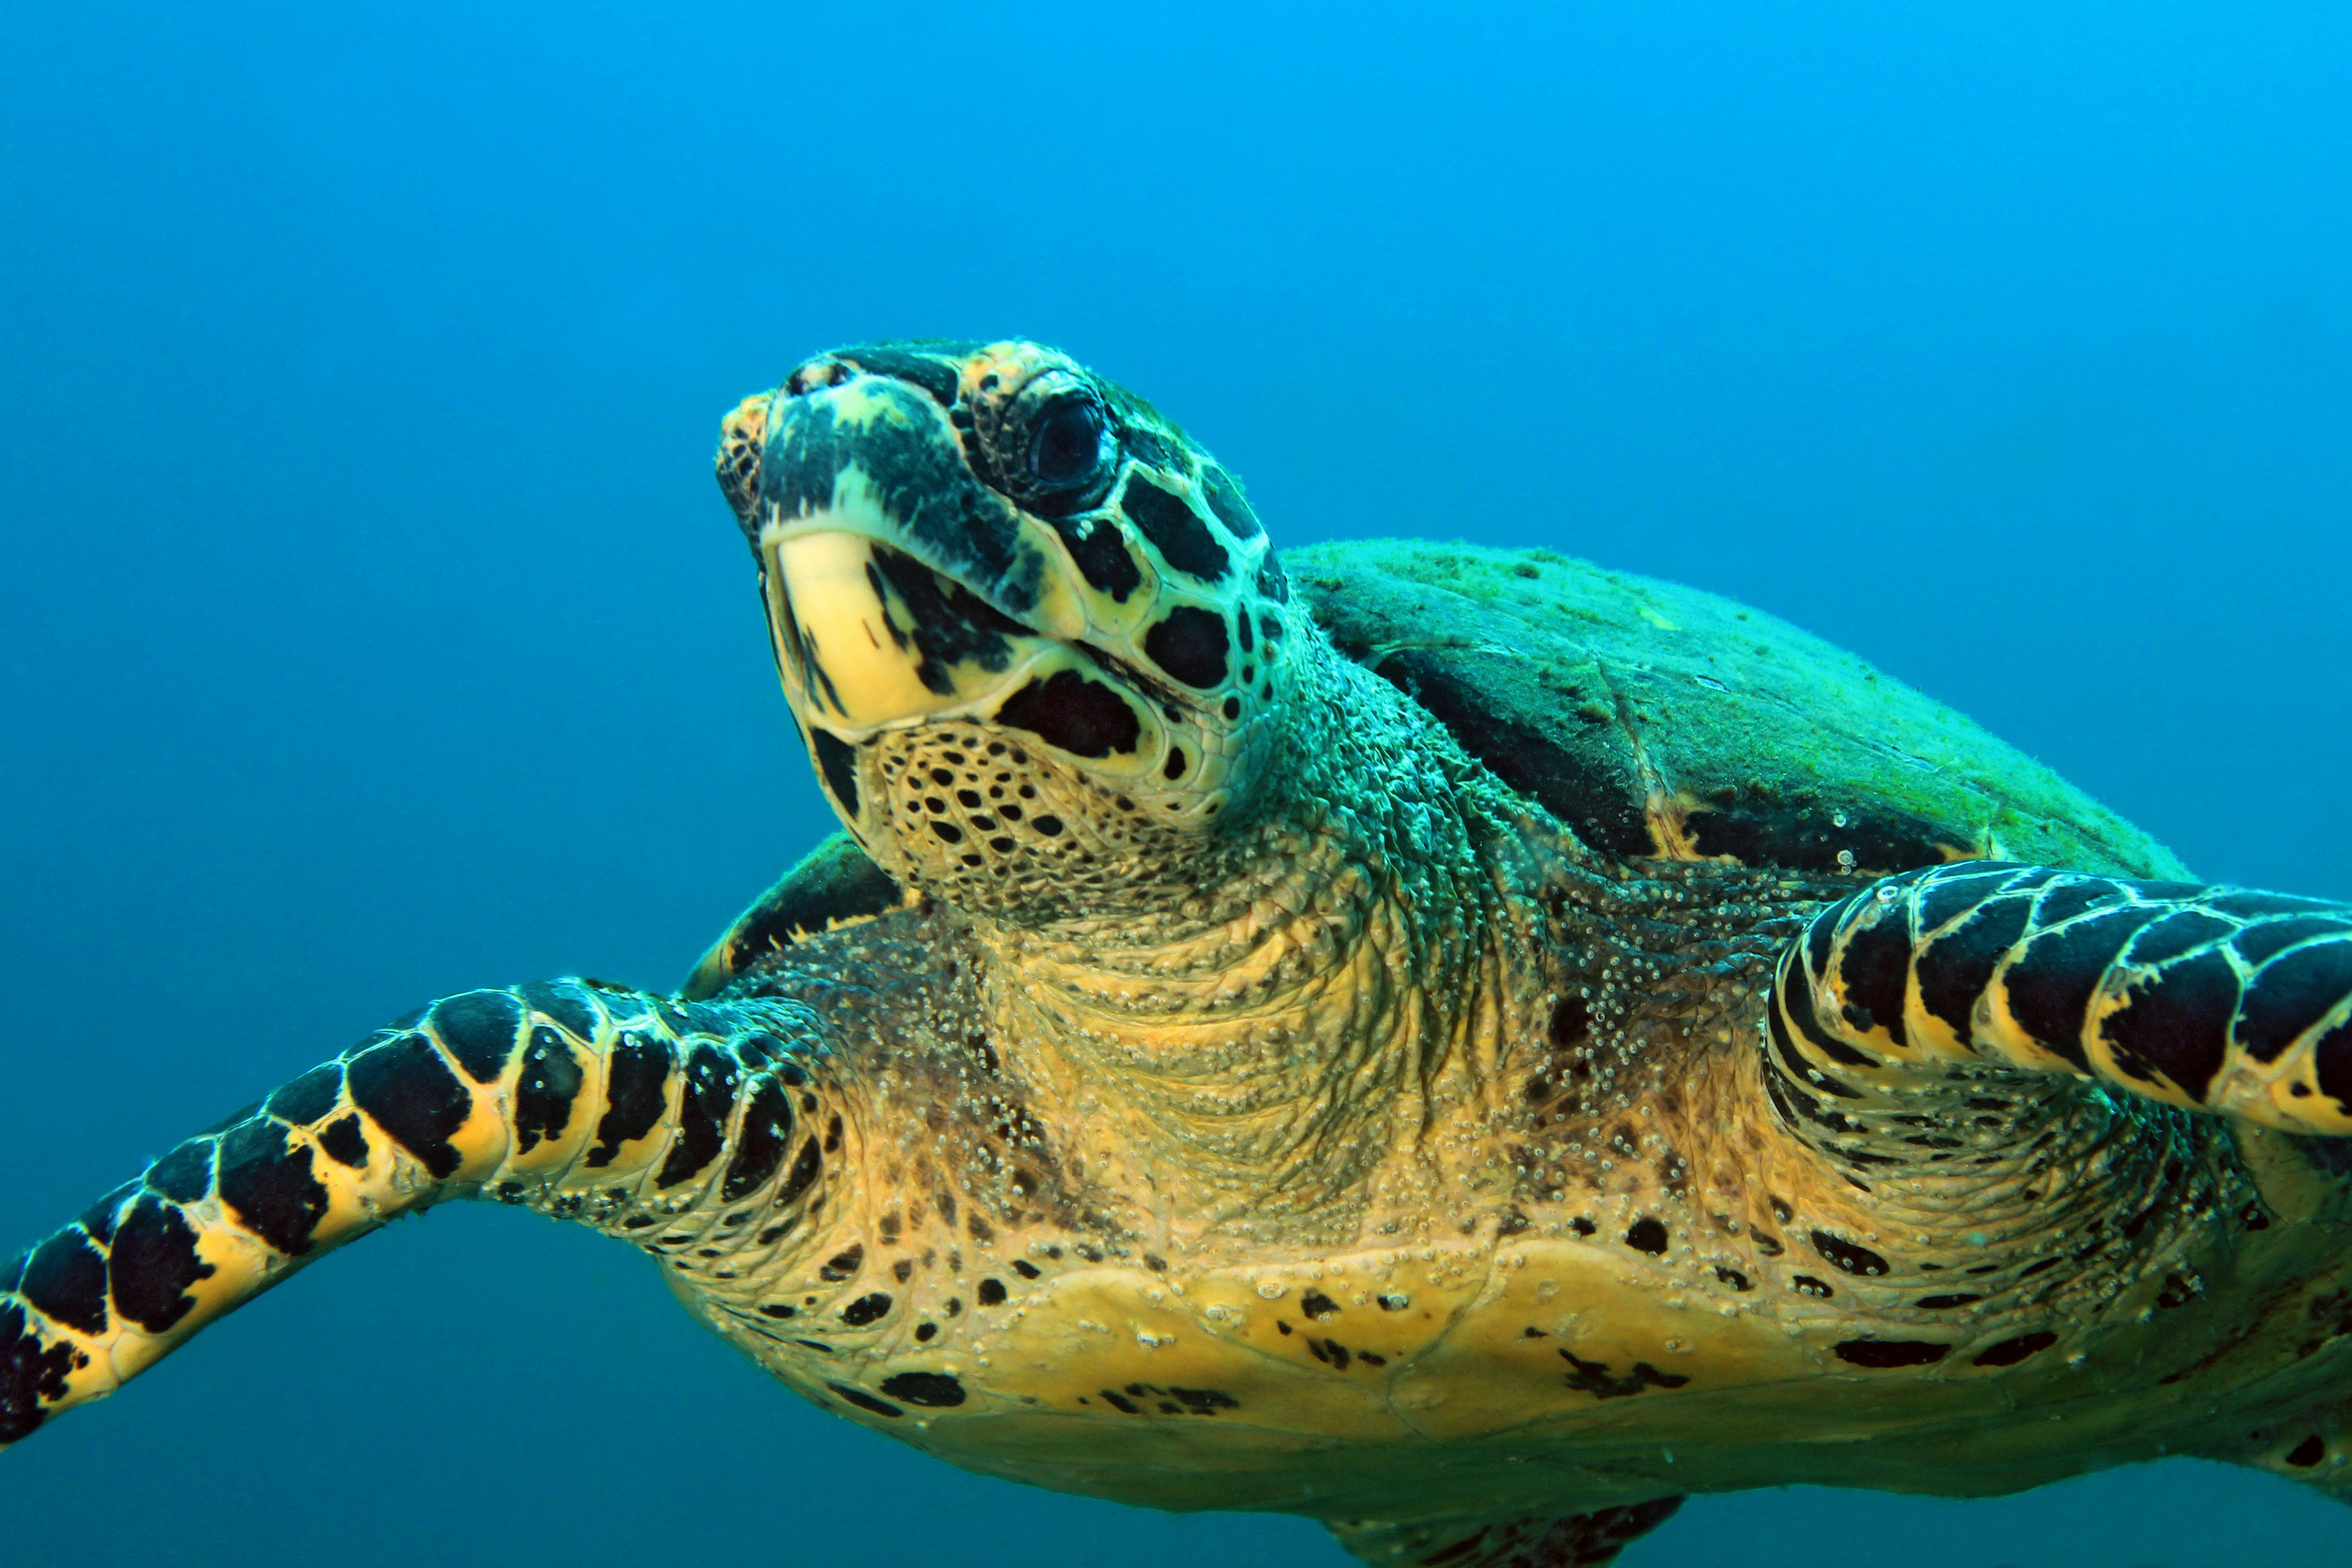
899	587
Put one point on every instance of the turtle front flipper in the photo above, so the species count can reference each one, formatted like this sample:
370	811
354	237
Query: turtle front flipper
2212	998
1568	1540
628	1111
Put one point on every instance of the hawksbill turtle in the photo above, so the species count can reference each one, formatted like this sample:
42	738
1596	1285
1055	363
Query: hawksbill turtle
1463	1044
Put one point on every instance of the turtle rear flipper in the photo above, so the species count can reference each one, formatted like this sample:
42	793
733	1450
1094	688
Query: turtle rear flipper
2212	998
625	1111
1569	1540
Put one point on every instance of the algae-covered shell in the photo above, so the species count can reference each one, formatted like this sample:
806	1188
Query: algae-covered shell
1660	721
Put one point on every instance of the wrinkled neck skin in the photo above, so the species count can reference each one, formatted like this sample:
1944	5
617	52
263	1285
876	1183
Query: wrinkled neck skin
1284	1010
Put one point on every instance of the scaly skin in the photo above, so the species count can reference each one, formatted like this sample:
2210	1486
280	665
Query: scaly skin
1256	1104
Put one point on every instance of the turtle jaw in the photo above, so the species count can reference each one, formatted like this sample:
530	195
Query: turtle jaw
1114	642
884	623
880	653
868	638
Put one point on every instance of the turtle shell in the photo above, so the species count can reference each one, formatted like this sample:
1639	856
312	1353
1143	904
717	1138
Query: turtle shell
1658	721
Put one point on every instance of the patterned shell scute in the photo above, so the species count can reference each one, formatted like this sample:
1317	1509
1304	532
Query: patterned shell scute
1659	722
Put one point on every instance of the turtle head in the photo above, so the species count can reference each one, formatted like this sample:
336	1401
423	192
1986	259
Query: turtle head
1032	634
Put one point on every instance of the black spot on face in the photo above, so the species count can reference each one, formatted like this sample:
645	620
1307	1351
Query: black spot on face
935	1390
1319	1306
1119	1401
65	1276
1190	645
1733	1278
636	1070
1174	529
151	1265
1944	1303
1100	553
479	1028
413	1096
1646	1235
1850	1256
2308	1452
759	1147
950	624
267	1182
936	377
1806	1285
836	764
1023	1267
1082	717
1572	1022
991	1292
866	1308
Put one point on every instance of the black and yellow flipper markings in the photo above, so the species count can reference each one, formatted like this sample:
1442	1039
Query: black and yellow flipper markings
2217	999
642	1116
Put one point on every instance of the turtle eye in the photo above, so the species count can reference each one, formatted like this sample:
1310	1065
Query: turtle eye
1068	448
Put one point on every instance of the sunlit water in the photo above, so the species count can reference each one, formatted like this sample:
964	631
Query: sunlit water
370	626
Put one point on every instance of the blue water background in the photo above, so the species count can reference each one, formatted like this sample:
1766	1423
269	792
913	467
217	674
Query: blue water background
370	626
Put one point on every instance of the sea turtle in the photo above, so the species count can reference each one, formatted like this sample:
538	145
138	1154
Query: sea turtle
1463	1044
